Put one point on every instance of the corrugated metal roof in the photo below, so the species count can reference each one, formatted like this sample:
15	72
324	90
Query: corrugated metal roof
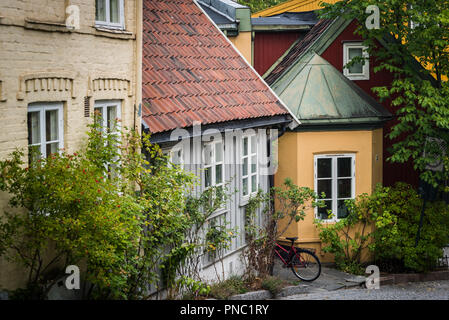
191	72
318	93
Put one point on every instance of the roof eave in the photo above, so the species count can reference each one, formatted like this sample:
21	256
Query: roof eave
267	122
281	27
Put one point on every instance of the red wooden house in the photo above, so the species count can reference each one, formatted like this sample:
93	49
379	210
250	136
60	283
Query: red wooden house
336	42
274	35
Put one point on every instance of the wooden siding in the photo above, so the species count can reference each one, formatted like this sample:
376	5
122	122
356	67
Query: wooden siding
234	211
270	46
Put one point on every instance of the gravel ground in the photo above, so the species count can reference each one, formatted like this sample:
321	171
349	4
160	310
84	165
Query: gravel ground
432	290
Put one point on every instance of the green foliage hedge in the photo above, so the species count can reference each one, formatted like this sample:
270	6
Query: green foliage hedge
394	212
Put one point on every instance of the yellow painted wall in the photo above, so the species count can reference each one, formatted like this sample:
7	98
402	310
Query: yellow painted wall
292	6
243	44
296	161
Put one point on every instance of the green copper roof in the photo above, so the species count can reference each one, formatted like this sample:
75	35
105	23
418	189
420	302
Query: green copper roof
317	93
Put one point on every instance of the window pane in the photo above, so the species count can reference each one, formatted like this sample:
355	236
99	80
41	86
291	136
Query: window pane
111	116
176	157
357	67
218	152
245	146
326	187
253	144
51	125
324	168
245	186
344	188
207	177
51	148
322	212
114	11
218	174
100	10
354	52
208	154
253	183
245	167
34	130
253	164
342	211
344	167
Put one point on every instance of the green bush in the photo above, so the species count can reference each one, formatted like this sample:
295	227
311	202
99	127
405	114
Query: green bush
127	222
397	220
347	238
224	289
394	212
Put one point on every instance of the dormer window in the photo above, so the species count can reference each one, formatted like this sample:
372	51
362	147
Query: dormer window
110	14
358	70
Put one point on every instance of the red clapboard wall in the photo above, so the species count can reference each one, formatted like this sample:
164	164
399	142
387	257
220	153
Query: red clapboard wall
270	46
334	54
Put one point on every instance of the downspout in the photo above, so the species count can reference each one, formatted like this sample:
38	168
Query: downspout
138	57
283	129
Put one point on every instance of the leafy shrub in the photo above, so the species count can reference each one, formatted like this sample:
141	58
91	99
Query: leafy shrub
291	202
124	219
347	238
394	214
397	220
224	289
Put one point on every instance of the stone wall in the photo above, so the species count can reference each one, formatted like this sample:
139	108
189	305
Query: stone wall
41	60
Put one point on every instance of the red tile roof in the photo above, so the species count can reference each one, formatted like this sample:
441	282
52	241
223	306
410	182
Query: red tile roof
192	73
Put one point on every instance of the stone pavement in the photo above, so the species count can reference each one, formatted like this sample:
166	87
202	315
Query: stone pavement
329	280
430	290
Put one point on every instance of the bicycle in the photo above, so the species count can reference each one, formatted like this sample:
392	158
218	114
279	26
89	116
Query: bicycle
303	263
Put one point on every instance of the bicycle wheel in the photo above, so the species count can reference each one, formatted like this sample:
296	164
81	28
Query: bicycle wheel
306	265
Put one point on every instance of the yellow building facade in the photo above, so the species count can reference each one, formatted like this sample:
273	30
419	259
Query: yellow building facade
337	149
60	61
298	152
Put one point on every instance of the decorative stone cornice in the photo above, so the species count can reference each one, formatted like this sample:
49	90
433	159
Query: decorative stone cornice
47	82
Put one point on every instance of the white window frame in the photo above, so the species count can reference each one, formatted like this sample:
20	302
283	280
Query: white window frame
365	69
112	25
104	104
334	176
171	153
213	163
42	108
249	174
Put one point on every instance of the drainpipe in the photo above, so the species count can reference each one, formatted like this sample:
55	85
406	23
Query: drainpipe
138	57
283	129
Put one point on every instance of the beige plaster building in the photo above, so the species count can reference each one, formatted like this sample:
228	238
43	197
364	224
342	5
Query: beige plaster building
59	61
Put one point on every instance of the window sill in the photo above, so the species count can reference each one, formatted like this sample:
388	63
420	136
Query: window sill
115	32
46	25
356	78
244	200
217	213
